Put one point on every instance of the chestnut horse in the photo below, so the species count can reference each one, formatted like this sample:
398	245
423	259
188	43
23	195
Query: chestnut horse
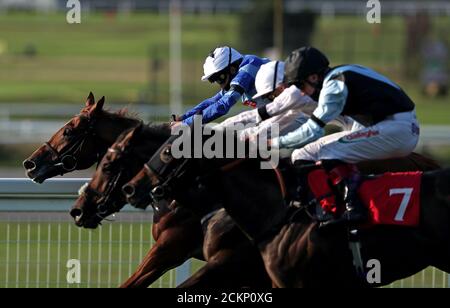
80	143
295	251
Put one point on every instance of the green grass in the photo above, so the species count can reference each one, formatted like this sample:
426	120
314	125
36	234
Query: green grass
106	35
35	254
106	53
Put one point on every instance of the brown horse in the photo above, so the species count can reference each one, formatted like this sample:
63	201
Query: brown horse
295	252
170	227
80	143
180	235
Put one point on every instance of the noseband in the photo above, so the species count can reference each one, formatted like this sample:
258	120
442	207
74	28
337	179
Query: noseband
67	160
105	197
163	177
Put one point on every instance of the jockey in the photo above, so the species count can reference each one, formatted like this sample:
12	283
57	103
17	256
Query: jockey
287	106
388	129
284	106
235	74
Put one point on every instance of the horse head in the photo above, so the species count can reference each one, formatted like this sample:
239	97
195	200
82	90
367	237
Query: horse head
198	184
73	147
103	194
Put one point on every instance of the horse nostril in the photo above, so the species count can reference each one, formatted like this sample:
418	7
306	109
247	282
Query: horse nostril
76	213
158	192
29	165
129	190
69	163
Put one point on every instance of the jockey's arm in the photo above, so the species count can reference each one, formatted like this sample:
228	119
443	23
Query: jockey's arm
291	98
344	122
266	127
241	83
203	105
245	117
221	107
331	103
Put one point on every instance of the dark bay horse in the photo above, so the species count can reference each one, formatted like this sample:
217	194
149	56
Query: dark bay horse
295	252
179	233
79	144
83	140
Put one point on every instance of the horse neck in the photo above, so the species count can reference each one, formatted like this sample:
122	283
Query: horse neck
152	138
109	126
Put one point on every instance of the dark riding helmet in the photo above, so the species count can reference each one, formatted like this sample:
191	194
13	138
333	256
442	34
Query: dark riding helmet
303	62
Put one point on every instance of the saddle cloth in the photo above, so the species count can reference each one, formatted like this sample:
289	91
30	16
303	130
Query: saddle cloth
391	198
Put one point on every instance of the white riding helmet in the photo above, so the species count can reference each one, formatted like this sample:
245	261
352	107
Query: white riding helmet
219	59
268	78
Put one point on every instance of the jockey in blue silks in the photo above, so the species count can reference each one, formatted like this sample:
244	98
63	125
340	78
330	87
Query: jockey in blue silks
235	74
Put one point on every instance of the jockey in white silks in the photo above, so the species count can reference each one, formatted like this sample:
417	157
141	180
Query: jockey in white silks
389	124
288	106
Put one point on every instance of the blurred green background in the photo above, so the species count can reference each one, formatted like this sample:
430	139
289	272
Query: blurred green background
123	53
125	57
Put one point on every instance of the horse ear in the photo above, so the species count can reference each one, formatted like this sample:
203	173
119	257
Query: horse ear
90	100
138	130
131	136
136	133
99	105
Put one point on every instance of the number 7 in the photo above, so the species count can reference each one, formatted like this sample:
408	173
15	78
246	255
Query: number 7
406	192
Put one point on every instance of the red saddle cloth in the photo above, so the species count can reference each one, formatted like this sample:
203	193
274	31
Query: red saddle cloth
393	198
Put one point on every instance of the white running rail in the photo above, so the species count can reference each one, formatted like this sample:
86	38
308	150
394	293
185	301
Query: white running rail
38	237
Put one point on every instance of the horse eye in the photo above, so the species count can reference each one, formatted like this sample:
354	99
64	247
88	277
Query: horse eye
107	167
67	132
167	152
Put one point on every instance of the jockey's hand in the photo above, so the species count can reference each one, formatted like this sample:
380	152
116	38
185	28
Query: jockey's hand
175	118
174	124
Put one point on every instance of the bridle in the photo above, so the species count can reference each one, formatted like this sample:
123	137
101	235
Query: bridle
106	196
161	177
66	160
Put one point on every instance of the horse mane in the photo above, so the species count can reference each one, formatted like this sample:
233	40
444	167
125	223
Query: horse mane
423	162
159	130
124	112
